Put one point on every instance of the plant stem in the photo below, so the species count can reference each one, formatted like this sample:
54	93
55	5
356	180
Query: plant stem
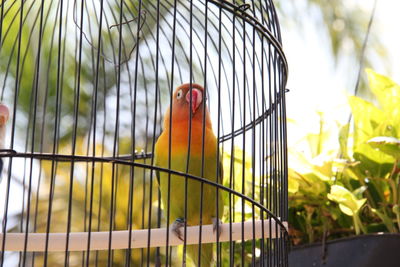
358	224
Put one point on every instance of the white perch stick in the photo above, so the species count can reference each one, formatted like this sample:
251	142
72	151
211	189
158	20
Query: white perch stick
99	240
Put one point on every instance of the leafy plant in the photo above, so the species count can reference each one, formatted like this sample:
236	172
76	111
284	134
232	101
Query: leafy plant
355	187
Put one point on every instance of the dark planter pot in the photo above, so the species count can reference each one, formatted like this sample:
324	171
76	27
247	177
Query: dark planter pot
377	250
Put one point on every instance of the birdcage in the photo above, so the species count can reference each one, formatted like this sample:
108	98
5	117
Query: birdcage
98	171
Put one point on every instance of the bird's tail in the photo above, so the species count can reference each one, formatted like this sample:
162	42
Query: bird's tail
206	254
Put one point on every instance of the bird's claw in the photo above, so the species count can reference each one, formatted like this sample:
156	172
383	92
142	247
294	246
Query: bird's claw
176	227
217	224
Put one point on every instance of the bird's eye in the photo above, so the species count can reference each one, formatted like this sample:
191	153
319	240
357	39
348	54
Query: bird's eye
179	94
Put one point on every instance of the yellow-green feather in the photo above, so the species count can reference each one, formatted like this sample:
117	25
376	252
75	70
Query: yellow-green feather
179	157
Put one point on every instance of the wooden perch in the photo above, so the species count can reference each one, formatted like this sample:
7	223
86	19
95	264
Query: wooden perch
78	241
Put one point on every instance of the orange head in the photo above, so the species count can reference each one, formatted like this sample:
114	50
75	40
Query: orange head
4	114
185	101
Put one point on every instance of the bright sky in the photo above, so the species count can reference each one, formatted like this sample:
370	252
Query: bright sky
316	84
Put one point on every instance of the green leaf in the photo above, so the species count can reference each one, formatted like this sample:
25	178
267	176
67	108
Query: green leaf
348	203
385	219
235	164
323	170
388	145
396	209
294	184
371	157
360	191
386	91
366	119
343	140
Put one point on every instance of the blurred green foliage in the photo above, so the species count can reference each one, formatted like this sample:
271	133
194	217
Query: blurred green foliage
354	189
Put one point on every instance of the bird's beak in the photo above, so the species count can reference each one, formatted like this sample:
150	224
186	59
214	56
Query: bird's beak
4	113
197	97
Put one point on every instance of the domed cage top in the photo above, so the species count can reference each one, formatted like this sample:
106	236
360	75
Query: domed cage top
142	133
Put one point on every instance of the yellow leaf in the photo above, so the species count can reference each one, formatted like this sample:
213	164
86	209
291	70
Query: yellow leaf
347	201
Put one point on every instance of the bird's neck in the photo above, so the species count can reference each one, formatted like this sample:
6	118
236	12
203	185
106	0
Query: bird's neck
183	127
179	133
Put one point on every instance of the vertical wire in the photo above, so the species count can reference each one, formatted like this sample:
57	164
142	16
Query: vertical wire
271	153
30	112
133	145
90	122
243	141
15	44
132	95
232	163
285	188
52	175
218	127
263	133
104	134
145	161
281	91
362	54
189	130
203	131
87	199
241	122
59	89
118	166
16	94
158	260
284	203
25	167
170	132
102	154
143	214
275	149
113	46
74	135
33	132
1	37
26	138
161	123
17	85
43	124
253	133
1	29
275	21
94	118
157	89
279	156
269	21
115	143
144	170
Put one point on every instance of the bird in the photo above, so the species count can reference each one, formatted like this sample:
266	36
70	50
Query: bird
4	114
189	110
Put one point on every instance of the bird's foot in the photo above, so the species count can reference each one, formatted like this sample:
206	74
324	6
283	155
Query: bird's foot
217	225
176	227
